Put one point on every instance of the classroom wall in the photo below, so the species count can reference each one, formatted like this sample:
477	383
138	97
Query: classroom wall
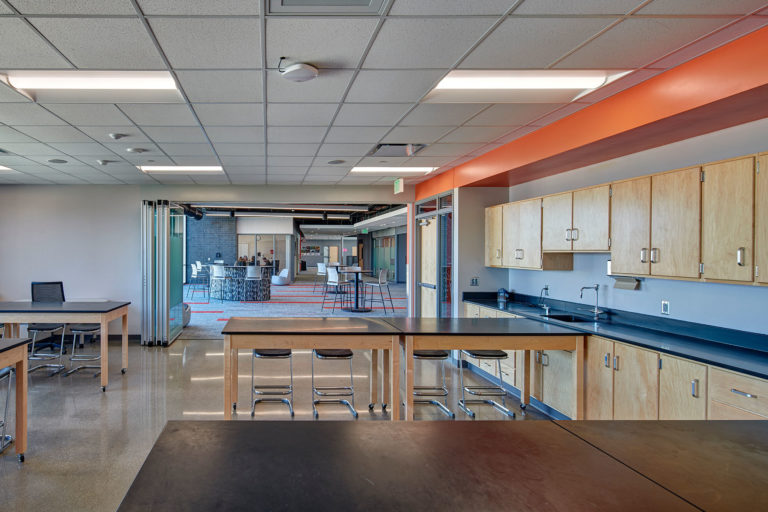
211	235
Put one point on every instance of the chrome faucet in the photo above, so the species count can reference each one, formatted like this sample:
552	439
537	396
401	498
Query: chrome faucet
595	311
544	293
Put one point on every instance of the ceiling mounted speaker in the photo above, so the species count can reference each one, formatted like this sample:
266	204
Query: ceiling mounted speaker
299	72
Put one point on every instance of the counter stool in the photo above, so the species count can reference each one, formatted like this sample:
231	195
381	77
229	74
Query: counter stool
381	284
272	393
36	329
498	390
433	391
341	289
81	330
5	440
334	391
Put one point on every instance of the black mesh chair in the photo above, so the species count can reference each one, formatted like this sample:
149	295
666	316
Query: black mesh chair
272	393
338	392
5	440
47	292
428	394
497	390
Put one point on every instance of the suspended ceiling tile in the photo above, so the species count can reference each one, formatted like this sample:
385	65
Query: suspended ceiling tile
284	179
634	78
245	170
300	114
318	170
175	150
242	161
196	160
101	133
452	150
236	134
31	149
7	94
357	134
428	161
91	149
475	134
26	114
91	114
5	10
217	179
328	87
560	113
55	133
370	114
147	159
296	38
8	134
347	161
320	180
248	180
223	148
450	7
607	7
512	114
238	86
377	86
13	160
175	134
416	134
388	161
641	41
22	48
344	150
441	114
121	147
424	43
698	7
199	7
537	42
74	7
218	43
102	43
295	133
293	149
159	114
289	161
230	114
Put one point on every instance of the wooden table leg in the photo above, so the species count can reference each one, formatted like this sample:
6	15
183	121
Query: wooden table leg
234	377
374	378
227	377
525	392
15	331
104	340
21	403
578	375
409	378
125	343
7	331
385	387
394	373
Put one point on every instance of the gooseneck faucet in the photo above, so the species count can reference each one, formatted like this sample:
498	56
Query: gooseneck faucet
544	293
595	311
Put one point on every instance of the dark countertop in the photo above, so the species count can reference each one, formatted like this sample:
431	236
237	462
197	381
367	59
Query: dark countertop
430	465
725	355
10	343
334	326
478	326
60	307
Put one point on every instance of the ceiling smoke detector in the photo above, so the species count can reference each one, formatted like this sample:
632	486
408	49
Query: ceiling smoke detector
299	72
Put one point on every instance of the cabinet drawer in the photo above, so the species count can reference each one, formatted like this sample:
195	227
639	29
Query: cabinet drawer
732	389
720	411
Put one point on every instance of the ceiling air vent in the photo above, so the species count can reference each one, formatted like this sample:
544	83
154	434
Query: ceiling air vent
391	150
324	7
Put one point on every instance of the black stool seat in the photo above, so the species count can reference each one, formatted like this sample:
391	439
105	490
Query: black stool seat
44	327
272	352
486	354
430	354
340	353
84	327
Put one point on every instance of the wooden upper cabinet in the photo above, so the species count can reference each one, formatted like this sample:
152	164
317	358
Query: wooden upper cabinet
529	234
761	219
682	389
675	223
493	234
631	227
727	207
510	238
591	219
635	383
556	216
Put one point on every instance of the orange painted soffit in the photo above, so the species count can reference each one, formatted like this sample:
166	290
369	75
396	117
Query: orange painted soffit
658	111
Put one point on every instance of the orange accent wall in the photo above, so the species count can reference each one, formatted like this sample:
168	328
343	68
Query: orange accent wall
722	88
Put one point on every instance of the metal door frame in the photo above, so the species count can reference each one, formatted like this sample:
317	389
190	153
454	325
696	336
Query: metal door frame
437	214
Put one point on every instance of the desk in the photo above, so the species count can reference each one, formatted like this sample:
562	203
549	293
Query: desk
15	313
310	333
489	333
368	465
13	352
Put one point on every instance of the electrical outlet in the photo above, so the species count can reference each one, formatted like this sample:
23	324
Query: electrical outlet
474	281
665	307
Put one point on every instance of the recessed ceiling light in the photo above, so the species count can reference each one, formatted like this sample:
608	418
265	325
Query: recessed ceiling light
393	171
181	169
57	161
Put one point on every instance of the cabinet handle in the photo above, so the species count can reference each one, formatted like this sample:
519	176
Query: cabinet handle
576	232
741	393
615	363
654	255
498	254
741	254
522	254
567	235
536	356
544	362
607	357
695	388
643	255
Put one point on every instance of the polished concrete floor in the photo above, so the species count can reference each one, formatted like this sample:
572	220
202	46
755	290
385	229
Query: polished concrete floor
85	446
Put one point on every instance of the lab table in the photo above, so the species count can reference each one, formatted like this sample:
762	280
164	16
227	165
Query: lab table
13	352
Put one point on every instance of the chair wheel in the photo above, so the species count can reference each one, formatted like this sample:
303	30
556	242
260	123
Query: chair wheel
21	457
371	406
122	371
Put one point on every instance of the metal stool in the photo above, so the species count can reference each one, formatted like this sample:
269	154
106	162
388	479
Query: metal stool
433	391
272	393
499	390
36	329
5	440
335	391
341	289
81	330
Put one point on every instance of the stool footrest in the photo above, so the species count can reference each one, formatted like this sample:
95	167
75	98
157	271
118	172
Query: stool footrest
440	405
429	391
496	405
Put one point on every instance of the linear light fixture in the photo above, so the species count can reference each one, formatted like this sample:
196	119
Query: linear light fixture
392	171
95	86
331	216
181	169
7	170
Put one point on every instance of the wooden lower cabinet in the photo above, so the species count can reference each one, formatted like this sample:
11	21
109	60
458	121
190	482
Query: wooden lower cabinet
721	411
471	311
730	390
682	389
598	381
552	379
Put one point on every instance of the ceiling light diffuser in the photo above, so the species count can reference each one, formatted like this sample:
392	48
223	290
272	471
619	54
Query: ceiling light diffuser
6	170
181	169
393	171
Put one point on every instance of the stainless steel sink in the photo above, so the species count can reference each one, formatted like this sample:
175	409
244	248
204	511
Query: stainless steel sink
567	318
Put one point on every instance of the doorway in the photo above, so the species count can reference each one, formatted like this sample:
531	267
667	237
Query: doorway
434	233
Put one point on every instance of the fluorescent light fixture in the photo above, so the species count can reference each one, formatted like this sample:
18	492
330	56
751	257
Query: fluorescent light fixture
181	169
392	171
95	86
331	216
7	170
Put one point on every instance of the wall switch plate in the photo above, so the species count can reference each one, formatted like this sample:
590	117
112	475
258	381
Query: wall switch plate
665	307
474	281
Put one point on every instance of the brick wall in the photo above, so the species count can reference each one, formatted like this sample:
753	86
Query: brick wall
210	235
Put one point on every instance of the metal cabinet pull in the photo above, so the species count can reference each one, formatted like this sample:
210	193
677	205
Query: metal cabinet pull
643	255
498	254
615	363
654	255
576	232
741	393
567	235
695	388
607	357
544	362
741	255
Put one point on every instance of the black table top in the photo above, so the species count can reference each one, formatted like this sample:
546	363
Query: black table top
10	343
478	326
335	326
60	307
430	465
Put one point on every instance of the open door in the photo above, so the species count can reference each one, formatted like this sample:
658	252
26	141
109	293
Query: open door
427	284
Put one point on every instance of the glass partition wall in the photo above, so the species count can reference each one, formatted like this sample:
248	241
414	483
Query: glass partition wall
275	248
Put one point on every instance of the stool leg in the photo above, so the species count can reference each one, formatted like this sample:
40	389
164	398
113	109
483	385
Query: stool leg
253	404
290	367
314	404
462	402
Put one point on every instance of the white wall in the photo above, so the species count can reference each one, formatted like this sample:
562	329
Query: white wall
734	306
264	226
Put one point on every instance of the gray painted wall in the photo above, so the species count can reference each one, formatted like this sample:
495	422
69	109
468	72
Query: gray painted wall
209	235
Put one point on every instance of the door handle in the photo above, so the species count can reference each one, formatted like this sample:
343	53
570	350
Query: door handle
741	254
695	388
607	360
615	363
654	255
568	235
643	255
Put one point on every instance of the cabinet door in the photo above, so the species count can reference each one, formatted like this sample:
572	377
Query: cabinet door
727	201
556	222
682	389
761	220
557	380
536	376
591	214
635	383
488	313
493	236
529	229
675	223
631	227
510	239
471	311
598	380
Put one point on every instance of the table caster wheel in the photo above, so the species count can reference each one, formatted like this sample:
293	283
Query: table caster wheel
316	414
523	406
253	413
383	407
21	457
371	406
103	389
122	371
